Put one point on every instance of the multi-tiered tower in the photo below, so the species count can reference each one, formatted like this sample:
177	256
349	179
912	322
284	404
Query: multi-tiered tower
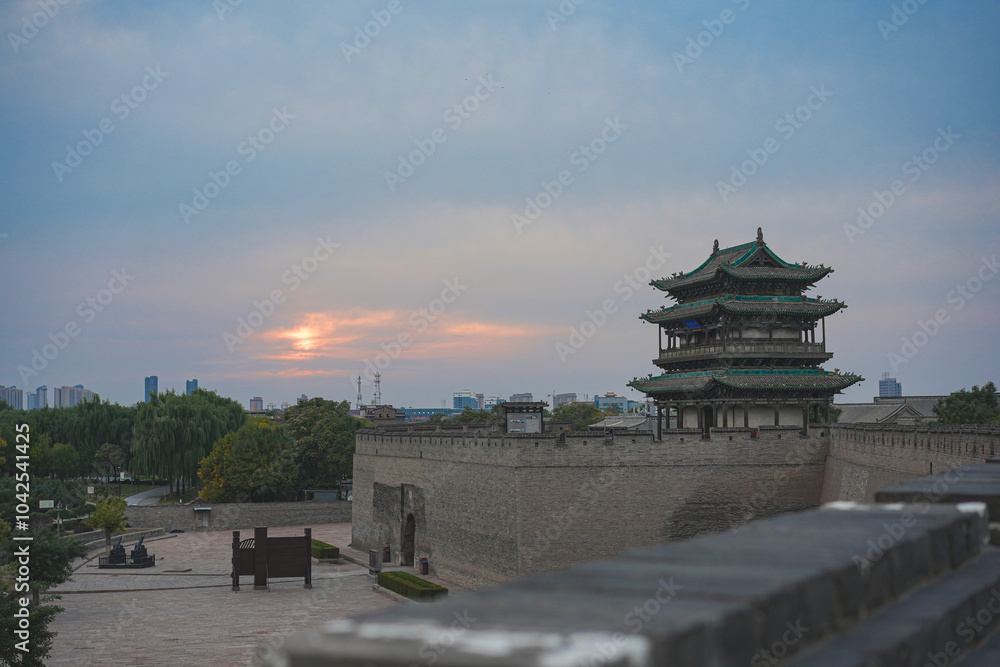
739	348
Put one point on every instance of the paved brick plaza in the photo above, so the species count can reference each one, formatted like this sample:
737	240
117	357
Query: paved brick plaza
196	619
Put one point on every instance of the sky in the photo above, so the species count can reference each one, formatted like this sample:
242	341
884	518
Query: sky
276	198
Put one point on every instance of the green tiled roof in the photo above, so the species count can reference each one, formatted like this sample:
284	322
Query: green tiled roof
746	379
733	260
744	305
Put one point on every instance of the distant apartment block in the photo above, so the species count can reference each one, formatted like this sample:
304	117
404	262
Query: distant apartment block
303	398
67	397
888	387
480	400
271	407
190	386
151	387
13	396
285	405
563	399
493	401
520	398
609	399
38	399
256	404
464	399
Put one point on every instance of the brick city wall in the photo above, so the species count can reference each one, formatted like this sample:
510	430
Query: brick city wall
867	457
239	516
500	506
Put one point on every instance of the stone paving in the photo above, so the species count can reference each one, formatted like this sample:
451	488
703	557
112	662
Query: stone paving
183	611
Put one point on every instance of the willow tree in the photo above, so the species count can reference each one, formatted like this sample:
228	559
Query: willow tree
173	433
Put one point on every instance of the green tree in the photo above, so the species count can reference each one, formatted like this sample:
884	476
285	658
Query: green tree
613	410
468	415
51	558
109	516
324	433
173	433
254	463
107	459
580	415
977	406
65	460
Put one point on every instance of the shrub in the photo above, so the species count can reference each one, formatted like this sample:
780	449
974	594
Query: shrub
322	550
411	586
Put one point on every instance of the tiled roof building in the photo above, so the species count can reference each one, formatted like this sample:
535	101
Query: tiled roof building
739	348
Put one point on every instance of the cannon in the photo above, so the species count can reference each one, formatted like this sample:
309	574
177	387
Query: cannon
117	554
139	551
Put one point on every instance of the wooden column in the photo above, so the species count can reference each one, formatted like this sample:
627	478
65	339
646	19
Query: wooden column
236	558
308	556
260	558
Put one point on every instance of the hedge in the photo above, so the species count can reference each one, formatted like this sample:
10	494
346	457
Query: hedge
324	551
411	586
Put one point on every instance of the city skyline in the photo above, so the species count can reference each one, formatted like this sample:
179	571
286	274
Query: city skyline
273	202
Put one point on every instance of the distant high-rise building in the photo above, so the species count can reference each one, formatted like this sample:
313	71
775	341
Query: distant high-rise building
464	399
888	387
151	389
303	398
271	407
609	399
256	404
190	386
284	405
520	398
67	397
31	400
493	401
563	399
42	397
13	396
480	401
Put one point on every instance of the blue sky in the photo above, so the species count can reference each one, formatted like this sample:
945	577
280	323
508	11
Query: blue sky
233	154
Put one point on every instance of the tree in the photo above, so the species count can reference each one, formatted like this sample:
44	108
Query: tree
173	433
107	459
254	463
109	516
51	565
324	433
977	406
65	460
468	415
613	410
580	415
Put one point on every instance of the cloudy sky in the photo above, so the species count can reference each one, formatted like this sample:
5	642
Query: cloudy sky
267	196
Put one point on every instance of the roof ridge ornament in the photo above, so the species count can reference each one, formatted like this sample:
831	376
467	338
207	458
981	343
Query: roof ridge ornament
760	236
715	248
